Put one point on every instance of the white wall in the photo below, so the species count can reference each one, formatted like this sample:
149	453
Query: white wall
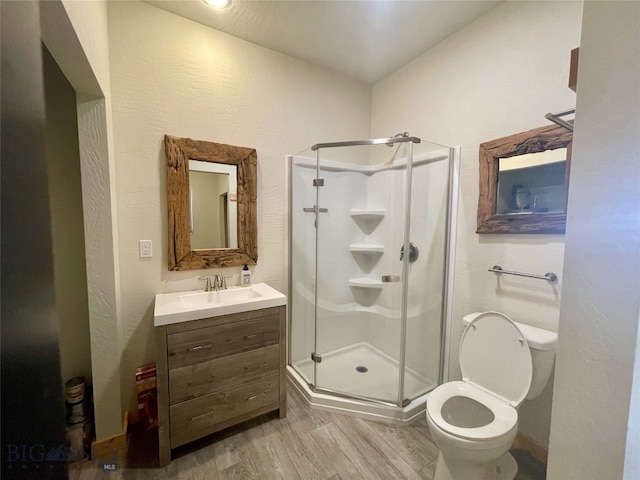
76	35
171	75
496	77
601	298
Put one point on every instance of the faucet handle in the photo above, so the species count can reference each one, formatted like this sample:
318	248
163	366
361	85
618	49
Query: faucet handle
207	287
223	279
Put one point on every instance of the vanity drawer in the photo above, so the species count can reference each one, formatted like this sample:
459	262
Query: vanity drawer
207	414
196	346
186	383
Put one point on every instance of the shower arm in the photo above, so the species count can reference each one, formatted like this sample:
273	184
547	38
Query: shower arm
374	141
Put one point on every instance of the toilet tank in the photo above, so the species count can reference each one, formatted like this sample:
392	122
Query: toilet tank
542	345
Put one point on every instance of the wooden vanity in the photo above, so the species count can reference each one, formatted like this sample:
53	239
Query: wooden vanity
217	372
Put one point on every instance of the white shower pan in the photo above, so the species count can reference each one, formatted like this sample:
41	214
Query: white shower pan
341	371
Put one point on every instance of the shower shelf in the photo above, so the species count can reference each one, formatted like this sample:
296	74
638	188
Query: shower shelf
367	248
368	213
365	283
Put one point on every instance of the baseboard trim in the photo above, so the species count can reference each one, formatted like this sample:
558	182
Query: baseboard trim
111	448
527	444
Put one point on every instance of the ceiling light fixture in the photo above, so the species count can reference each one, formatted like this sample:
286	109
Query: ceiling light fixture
219	4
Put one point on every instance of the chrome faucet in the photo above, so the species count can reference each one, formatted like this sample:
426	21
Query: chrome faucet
208	287
220	282
215	283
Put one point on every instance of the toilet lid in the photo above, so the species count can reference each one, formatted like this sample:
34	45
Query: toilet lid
495	356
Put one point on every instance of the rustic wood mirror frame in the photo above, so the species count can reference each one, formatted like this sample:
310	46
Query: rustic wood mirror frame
532	141
178	153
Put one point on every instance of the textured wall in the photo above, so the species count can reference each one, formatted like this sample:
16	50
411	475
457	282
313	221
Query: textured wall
175	76
601	299
89	19
496	77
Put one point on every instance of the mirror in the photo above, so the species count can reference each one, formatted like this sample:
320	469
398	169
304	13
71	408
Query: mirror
213	215
523	182
211	204
533	182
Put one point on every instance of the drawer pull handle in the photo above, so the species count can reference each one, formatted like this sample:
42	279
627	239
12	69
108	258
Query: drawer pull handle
200	347
247	337
252	397
205	414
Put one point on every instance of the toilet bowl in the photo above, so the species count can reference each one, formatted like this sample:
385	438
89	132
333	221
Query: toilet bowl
474	421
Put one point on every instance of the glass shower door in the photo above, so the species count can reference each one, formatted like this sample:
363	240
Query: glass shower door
427	279
366	322
359	272
302	244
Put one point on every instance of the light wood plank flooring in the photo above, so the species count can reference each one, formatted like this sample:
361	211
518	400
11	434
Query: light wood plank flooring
308	444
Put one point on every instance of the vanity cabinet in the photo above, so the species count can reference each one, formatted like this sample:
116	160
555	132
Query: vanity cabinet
217	372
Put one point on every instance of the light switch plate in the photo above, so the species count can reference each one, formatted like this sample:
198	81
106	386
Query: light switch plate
146	249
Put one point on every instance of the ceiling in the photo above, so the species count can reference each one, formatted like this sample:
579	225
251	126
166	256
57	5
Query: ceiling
366	40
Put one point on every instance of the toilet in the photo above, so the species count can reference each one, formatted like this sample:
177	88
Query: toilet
474	421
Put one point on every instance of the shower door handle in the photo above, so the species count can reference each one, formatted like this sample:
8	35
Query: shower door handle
315	209
390	278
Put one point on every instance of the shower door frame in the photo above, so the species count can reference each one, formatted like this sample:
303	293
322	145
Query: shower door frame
447	277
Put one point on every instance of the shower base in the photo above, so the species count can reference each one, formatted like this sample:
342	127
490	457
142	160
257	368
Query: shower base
341	371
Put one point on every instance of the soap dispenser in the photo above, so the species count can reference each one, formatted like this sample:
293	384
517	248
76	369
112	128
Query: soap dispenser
246	276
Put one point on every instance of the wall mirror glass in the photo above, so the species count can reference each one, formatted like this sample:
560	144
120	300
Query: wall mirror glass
213	215
211	204
523	182
533	182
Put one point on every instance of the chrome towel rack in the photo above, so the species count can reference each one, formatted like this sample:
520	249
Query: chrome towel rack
549	276
555	118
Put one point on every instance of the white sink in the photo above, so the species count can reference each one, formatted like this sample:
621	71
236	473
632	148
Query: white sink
195	304
233	295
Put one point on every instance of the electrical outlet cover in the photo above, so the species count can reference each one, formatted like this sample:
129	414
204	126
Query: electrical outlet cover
146	250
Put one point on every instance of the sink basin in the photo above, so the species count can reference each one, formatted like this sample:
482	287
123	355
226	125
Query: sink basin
233	295
195	304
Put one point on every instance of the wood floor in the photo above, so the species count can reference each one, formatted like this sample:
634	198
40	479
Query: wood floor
308	444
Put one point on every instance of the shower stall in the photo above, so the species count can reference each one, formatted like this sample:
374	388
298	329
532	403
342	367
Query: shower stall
370	251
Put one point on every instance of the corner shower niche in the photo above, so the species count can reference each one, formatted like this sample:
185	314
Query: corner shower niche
366	254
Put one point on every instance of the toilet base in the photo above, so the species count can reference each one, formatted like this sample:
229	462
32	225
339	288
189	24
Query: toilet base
507	468
504	468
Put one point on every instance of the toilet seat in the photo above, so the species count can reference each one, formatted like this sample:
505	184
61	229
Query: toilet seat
505	416
495	356
496	367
